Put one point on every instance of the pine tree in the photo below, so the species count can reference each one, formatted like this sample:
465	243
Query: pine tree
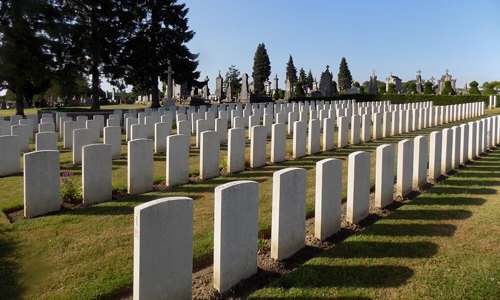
157	41
291	71
447	89
29	46
428	88
344	77
309	80
334	87
473	88
261	68
299	90
233	77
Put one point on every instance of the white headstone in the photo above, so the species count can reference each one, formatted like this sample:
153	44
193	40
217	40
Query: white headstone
435	155
328	201
384	175
420	161
278	143
46	141
209	154
96	173
358	186
177	159
140	166
113	137
10	154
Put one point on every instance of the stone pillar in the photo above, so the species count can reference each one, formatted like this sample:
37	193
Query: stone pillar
288	229
405	168
358	186
236	218
384	175
420	161
328	203
435	146
41	183
163	246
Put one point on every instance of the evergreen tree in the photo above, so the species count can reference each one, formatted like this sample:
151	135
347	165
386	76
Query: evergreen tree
276	95
261	68
291	71
334	87
412	88
309	80
233	77
356	84
29	46
299	90
157	41
448	89
344	76
473	88
381	87
428	88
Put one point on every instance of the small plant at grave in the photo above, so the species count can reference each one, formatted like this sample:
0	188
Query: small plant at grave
70	192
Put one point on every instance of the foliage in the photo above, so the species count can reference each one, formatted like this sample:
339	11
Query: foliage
291	71
309	80
381	88
276	95
70	191
356	84
491	88
157	39
448	89
299	90
233	77
473	88
261	68
344	76
428	88
334	87
391	89
30	44
412	88
282	94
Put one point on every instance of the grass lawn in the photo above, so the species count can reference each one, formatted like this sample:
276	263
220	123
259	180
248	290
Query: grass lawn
445	244
87	253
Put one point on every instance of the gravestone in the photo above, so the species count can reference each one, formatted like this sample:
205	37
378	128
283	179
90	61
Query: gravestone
355	129
163	249
112	136
313	137
420	161
41	183
328	134
446	152
161	133
46	127
209	154
235	233
96	173
24	132
358	186
405	168
343	132
138	131
328	199
140	166
299	139
258	146
46	141
69	127
278	143
177	158
10	153
435	145
288	227
384	175
81	137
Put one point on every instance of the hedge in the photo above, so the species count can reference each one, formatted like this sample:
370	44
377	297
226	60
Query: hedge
399	98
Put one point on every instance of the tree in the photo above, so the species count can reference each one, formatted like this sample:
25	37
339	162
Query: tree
355	84
381	87
473	88
448	89
391	89
491	88
412	88
157	41
291	71
428	88
309	80
261	68
334	88
276	95
299	90
233	77
29	47
344	76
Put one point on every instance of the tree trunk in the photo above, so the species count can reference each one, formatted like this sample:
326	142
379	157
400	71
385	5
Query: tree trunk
95	86
155	101
19	103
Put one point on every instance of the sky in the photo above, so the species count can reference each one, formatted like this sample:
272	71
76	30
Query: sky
398	36
387	36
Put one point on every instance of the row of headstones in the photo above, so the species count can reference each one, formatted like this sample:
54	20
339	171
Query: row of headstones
163	233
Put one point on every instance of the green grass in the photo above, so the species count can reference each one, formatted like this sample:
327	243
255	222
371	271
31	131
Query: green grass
87	253
445	244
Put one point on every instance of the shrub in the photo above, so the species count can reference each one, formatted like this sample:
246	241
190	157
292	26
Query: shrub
70	191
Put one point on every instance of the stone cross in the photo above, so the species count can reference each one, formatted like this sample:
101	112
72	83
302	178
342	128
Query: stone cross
170	87
419	72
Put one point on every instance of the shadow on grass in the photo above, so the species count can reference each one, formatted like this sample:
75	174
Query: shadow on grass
355	249
459	201
430	214
480	182
346	276
10	287
453	190
429	230
312	298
